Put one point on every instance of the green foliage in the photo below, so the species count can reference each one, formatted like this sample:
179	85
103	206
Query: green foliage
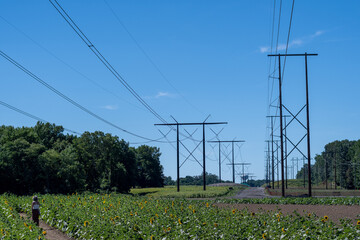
256	183
149	169
115	216
198	180
43	159
339	161
168	181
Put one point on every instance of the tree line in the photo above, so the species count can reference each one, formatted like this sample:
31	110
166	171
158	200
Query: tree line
44	159
195	180
338	164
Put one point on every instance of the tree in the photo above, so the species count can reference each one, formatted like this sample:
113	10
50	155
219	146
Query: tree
168	181
149	169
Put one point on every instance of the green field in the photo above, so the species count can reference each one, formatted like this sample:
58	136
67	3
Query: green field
187	191
118	216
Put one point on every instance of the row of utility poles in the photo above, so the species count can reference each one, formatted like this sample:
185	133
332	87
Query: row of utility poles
273	165
179	142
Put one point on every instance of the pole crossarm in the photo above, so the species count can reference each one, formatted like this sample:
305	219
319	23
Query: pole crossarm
178	141
185	124
239	164
293	55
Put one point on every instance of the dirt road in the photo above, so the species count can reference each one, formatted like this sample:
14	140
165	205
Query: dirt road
253	192
51	233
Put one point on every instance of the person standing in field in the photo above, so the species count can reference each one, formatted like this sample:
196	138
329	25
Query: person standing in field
35	207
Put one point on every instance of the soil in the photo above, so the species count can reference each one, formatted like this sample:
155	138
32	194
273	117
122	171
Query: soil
51	233
334	212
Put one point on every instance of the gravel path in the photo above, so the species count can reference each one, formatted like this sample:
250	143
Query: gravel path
253	192
51	233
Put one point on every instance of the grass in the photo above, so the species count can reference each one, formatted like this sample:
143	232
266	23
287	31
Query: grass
187	191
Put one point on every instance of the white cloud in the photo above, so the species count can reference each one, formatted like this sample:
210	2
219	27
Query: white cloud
165	94
110	107
264	49
162	94
317	33
294	43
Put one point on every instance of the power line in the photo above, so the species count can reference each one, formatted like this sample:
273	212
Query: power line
33	116
69	99
288	37
148	57
97	53
68	65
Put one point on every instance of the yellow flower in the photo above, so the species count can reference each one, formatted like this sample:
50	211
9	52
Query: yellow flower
86	223
151	221
169	228
264	236
215	224
44	232
25	225
172	203
194	211
309	215
326	218
165	210
264	223
322	220
233	211
358	222
283	229
152	237
204	223
179	220
207	204
29	227
252	214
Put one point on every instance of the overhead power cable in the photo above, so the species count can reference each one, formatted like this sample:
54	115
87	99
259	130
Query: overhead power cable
69	99
69	66
33	116
149	58
97	53
287	42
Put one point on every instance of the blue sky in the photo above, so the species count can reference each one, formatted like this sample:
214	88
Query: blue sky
213	55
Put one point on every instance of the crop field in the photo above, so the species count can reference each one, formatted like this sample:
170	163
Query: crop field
12	226
117	216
